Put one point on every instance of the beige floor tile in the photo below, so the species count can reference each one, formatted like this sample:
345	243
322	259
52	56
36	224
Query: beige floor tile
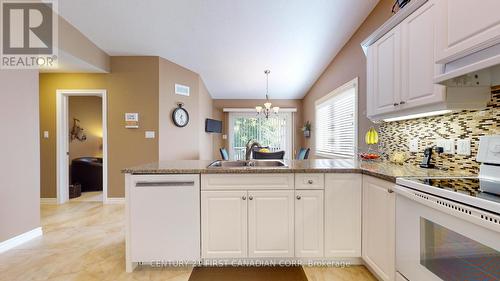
84	241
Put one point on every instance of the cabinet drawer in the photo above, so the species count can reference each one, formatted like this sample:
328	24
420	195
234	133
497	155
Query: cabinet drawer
246	181
309	181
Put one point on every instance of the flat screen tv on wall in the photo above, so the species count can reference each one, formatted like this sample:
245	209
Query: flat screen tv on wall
213	126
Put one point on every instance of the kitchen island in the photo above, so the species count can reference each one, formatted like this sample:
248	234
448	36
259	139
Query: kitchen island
306	211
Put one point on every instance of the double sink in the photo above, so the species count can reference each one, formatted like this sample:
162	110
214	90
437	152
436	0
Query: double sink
248	164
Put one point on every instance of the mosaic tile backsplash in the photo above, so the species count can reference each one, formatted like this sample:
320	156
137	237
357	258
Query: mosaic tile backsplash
467	124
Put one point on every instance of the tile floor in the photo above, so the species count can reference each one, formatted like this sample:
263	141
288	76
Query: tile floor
85	241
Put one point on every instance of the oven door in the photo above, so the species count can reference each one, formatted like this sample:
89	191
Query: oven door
441	240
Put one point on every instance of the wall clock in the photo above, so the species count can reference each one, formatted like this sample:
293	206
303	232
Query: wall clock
180	116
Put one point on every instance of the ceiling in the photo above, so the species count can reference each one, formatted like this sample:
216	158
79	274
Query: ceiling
228	42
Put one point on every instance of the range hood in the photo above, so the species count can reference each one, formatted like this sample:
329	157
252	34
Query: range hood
479	69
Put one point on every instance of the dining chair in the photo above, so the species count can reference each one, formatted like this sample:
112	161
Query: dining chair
269	155
223	153
303	153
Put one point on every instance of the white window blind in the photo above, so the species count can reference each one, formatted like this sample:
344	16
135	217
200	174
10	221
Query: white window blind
336	123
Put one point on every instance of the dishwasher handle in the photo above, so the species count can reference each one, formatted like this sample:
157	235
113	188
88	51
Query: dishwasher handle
164	183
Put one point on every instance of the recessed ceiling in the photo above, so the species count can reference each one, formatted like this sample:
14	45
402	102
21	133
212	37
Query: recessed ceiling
228	42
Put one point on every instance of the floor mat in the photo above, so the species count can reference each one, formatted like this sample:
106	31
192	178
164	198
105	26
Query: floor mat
248	274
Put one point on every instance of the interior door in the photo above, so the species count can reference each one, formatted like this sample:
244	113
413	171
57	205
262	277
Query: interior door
384	64
224	224
271	223
309	223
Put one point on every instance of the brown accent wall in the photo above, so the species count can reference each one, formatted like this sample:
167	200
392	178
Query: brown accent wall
135	84
219	105
349	63
88	110
20	165
132	86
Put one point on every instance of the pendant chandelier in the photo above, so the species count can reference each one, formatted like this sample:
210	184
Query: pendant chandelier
268	108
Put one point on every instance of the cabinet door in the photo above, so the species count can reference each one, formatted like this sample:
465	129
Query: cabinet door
418	35
379	227
467	26
384	63
343	215
270	223
309	223
224	224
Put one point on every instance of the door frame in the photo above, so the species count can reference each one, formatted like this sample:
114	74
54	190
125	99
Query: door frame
62	144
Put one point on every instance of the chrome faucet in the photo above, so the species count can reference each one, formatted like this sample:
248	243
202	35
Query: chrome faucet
249	147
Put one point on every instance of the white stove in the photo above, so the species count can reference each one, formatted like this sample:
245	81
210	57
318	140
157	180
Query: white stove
449	228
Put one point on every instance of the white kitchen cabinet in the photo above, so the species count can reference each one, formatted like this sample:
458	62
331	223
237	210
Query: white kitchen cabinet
224	224
270	223
310	181
466	26
343	215
309	223
418	54
383	71
378	234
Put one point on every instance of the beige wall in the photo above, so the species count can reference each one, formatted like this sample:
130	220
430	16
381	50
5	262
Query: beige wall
190	142
77	52
132	86
136	84
175	142
219	105
20	165
89	111
206	140
348	64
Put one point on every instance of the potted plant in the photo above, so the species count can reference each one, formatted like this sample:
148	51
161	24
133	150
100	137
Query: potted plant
307	129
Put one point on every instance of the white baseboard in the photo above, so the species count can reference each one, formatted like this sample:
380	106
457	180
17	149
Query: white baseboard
20	239
47	201
114	200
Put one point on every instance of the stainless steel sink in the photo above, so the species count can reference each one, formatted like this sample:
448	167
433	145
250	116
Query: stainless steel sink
247	164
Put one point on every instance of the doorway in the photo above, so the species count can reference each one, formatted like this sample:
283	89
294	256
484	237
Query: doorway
82	145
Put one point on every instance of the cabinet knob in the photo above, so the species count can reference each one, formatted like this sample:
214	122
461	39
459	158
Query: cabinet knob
250	197
402	102
298	197
310	181
390	190
396	104
244	197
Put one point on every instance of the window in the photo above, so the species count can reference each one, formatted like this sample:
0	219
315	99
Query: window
275	132
336	122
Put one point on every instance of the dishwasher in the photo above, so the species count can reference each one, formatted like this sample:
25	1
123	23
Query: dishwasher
163	218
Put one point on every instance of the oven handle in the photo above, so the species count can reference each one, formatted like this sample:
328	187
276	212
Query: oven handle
461	211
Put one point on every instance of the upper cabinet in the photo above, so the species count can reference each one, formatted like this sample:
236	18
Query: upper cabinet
466	26
418	54
401	66
384	63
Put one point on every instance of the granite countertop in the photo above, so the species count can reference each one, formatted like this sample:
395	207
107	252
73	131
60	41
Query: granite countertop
383	170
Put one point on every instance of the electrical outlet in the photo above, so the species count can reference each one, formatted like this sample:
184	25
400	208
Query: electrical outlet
463	147
447	145
413	145
45	134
